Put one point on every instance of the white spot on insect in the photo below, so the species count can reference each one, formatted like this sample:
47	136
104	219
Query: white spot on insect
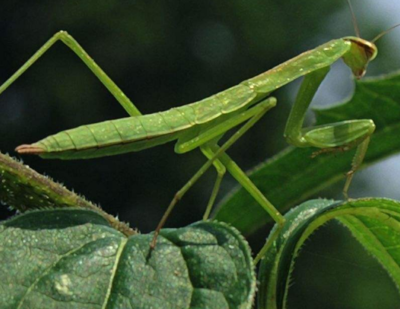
63	285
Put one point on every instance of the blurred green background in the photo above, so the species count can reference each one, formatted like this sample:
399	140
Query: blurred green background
169	53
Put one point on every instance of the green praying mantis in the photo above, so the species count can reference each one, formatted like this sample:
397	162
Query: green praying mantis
202	124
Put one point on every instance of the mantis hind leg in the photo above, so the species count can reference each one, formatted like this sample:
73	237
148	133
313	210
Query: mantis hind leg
81	53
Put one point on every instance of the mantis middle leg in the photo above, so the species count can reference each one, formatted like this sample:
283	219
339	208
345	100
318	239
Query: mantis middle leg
252	115
82	54
251	188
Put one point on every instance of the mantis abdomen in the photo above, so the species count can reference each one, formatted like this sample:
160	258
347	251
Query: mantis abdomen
140	132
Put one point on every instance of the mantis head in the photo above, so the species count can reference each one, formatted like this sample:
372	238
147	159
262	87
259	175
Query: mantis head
361	51
360	54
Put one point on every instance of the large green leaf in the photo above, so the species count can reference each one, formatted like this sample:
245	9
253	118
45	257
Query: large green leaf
292	176
374	222
70	258
24	189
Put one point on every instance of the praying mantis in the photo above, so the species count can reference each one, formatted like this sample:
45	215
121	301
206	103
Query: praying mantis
202	124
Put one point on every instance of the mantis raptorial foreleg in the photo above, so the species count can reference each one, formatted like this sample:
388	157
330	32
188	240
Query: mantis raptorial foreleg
82	54
339	135
252	115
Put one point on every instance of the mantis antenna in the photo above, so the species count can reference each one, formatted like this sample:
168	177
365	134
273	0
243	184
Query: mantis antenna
356	29
384	33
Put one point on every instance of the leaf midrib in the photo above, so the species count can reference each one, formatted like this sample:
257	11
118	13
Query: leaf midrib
121	248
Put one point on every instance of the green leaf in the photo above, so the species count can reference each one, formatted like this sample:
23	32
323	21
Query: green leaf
24	189
292	176
70	258
374	222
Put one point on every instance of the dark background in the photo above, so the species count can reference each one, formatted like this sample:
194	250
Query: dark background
169	53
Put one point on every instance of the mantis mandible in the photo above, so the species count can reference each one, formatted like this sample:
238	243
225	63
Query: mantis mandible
202	124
